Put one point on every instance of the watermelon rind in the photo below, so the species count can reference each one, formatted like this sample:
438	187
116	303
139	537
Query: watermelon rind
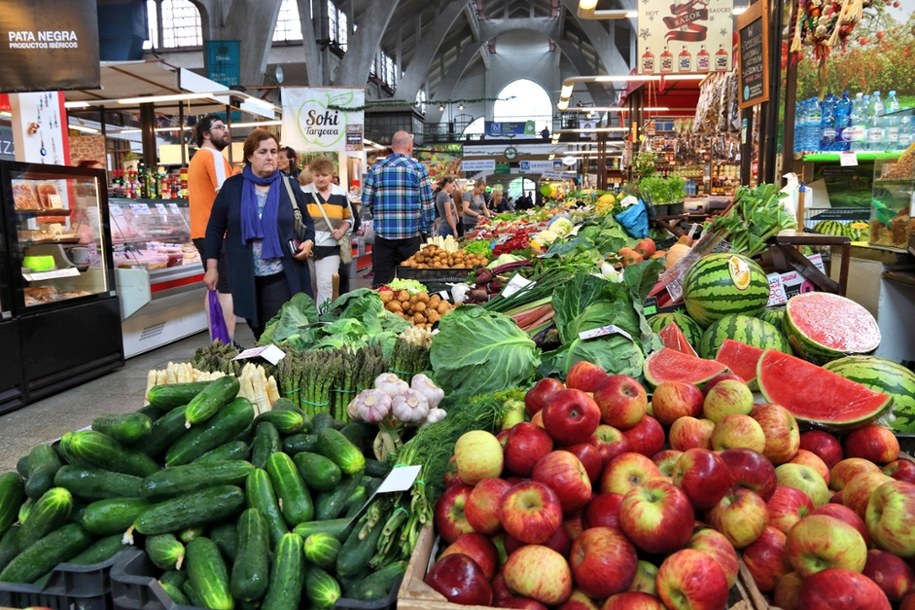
816	396
822	326
884	376
746	329
671	365
774	316
711	291
691	329
741	359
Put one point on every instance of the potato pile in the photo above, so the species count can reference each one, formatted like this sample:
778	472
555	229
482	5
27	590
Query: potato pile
420	308
433	257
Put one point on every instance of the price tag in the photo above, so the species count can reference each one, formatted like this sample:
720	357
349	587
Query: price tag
140	209
160	207
116	210
603	331
173	208
446	296
399	479
515	284
848	159
54	201
650	306
270	353
675	290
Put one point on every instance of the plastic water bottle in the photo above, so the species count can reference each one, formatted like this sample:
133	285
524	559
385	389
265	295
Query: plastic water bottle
875	123
906	125
800	109
813	126
858	108
843	123
891	122
827	131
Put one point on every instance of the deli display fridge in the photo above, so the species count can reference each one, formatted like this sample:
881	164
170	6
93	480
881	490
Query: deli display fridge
58	262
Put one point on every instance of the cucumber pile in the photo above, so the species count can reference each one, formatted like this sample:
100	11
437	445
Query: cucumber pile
236	510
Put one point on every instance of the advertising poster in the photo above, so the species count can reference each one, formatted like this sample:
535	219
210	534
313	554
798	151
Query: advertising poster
441	159
40	128
691	36
323	119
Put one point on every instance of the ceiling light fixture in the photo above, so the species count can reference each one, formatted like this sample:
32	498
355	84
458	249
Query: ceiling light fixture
460	106
587	9
441	108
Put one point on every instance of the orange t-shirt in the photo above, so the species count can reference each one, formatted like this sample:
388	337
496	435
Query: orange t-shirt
203	182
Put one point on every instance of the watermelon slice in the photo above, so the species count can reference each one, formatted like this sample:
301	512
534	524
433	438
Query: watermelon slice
740	358
673	337
815	395
669	364
822	326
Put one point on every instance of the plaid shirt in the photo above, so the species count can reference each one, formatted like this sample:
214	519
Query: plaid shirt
398	191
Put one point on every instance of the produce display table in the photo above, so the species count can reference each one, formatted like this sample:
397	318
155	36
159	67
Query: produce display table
785	252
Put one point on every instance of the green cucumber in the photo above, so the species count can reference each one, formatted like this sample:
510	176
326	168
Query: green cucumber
321	588
44	462
49	512
377	585
232	419
112	515
332	444
288	575
190	532
127	428
260	495
192	595
175	578
377	468
266	442
232	450
330	504
101	550
322	549
172	395
338	528
284	404
356	500
286	421
151	411
9	545
211	399
24	509
39	558
12	495
179	480
165	432
251	570
359	546
295	443
175	593
91	483
208	575
102	451
225	535
360	433
293	496
165	551
319	473
321	421
22	466
205	506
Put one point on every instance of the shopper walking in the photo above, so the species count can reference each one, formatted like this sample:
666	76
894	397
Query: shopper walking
398	191
288	162
257	213
206	173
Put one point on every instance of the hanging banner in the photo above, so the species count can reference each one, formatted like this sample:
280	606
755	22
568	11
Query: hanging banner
505	129
325	119
49	45
691	36
39	127
223	61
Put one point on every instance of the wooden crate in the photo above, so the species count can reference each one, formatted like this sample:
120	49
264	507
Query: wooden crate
415	594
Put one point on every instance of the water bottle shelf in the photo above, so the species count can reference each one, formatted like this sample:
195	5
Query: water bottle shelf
833	157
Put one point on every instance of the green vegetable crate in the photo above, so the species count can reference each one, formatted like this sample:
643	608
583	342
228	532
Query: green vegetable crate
134	587
71	586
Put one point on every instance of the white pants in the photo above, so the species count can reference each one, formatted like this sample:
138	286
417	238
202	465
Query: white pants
322	277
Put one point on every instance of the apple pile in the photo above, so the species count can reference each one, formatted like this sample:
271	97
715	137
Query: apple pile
606	501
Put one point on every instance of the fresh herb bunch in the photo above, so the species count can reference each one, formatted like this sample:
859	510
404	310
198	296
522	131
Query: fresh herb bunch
755	216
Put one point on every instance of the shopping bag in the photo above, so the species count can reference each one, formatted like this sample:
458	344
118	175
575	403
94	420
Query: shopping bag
634	220
346	249
218	329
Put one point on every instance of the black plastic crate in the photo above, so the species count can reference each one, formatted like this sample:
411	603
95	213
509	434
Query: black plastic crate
71	587
433	275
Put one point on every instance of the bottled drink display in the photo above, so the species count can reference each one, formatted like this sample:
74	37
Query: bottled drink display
875	123
863	123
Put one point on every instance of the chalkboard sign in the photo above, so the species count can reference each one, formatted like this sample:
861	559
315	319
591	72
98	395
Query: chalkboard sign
753	53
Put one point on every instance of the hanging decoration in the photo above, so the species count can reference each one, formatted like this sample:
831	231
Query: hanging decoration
370	105
825	24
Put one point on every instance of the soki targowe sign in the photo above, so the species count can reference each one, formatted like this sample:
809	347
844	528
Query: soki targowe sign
48	45
323	119
684	37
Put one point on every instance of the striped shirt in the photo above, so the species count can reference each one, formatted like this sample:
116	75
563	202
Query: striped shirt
398	191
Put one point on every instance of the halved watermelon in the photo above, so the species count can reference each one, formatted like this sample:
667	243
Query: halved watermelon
670	365
672	337
815	395
822	326
740	358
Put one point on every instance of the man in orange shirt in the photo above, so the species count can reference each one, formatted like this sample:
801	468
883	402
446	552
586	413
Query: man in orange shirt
205	174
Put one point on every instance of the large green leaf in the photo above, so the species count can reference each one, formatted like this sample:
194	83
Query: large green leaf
613	353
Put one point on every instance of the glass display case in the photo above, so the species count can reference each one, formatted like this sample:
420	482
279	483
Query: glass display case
893	201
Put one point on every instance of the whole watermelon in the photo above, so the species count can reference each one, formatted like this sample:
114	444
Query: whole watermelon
883	376
691	329
774	316
724	283
746	329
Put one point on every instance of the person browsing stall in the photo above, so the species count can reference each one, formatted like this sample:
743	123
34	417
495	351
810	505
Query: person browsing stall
474	206
446	210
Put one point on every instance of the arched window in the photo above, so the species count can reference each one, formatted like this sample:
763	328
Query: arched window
524	100
173	24
477	127
338	26
288	26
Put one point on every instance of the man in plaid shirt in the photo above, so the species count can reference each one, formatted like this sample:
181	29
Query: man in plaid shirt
398	192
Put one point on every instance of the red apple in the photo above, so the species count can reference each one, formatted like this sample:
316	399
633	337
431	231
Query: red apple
537	397
675	399
561	540
646	247
585	376
484	504
703	476
646	578
665	460
908	602
767	559
817	542
578	601
873	442
780	428
890	572
603	511
450	520
718	547
847	469
479	548
632	600
711	383
841	589
572	525
630	257
610	442
728	397
857	493
657	517
525	603
889	517
691	433
809	458
787	506
499	588
752	470
525	443
589	456
450	475
824	444
564	474
738	431
571	416
627	471
531	512
805	479
622	401
460	580
537	418
843	513
741	515
788	591
646	437
902	469
690	580
539	573
603	562
478	455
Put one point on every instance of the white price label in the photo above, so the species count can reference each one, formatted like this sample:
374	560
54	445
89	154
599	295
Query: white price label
173	208
116	210
140	209
270	353
515	284
848	159
675	290
603	331
160	207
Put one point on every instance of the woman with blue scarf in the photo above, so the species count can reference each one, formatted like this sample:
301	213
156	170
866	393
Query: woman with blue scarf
254	220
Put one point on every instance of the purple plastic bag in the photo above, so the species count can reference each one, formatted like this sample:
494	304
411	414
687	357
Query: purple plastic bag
218	330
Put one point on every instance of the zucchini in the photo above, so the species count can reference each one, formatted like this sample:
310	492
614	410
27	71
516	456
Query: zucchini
112	515
293	496
232	419
179	480
39	558
165	432
330	504
211	399
9	545
165	551
322	549
12	495
169	396
286	421
288	577
101	550
49	512
225	535
338	528
377	585
102	451
332	444
251	570
208	575
260	495
43	465
321	588
127	428
377	468
205	506
359	546
232	450
295	443
91	483
319	473
266	442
